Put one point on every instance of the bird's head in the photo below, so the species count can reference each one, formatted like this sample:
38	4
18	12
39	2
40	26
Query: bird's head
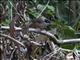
41	22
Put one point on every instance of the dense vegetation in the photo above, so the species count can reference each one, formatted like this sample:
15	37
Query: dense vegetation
57	32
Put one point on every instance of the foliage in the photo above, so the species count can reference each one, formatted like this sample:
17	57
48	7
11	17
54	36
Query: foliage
64	16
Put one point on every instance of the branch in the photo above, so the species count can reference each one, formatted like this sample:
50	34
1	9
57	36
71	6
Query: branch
12	39
68	41
36	31
65	41
7	28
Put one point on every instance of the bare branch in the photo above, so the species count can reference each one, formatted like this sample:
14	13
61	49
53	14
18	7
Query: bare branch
44	32
14	40
68	41
7	28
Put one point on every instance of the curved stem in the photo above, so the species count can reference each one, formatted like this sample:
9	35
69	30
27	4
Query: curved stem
12	39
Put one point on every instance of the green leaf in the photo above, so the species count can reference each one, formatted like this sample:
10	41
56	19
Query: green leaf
6	22
68	46
68	31
51	8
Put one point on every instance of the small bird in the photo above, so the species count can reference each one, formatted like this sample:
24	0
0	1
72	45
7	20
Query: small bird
40	23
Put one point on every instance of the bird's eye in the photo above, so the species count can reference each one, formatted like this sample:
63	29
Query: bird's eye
47	21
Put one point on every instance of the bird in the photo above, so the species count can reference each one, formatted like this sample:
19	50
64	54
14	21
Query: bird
40	23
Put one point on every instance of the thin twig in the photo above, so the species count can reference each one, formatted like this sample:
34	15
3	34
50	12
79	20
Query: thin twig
12	54
66	50
12	39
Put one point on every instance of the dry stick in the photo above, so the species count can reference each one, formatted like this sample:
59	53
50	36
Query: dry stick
7	28
65	41
71	41
50	54
14	40
12	54
66	50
